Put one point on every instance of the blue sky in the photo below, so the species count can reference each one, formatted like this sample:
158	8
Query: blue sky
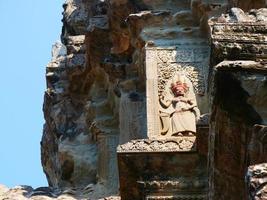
28	30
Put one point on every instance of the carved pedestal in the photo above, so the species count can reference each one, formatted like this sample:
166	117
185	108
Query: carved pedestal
162	169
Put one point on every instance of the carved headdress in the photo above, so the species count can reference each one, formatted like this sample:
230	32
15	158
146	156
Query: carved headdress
178	82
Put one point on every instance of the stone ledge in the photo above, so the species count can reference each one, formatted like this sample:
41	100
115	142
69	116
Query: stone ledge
177	144
175	185
242	65
177	197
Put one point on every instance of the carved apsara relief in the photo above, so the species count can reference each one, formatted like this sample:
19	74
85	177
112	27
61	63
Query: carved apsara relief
178	84
178	111
179	76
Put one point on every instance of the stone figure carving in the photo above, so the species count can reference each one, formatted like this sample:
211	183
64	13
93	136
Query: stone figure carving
178	108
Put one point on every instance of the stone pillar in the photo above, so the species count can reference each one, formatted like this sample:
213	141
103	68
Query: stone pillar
152	93
107	161
132	111
238	98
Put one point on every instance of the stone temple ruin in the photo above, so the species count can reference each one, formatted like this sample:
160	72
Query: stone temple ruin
158	99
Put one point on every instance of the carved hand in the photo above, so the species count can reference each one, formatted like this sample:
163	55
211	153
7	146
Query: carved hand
176	99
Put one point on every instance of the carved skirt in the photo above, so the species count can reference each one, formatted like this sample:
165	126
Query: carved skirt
183	121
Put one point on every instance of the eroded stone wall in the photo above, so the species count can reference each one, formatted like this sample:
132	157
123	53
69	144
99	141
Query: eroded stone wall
96	81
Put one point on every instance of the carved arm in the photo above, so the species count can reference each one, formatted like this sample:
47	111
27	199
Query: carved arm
164	103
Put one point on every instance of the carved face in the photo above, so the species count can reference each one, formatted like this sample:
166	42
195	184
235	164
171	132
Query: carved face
179	89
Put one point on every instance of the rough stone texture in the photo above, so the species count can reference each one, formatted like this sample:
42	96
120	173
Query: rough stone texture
238	36
231	123
95	86
256	176
232	140
79	107
27	192
96	81
238	96
47	193
257	182
257	149
246	5
101	93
